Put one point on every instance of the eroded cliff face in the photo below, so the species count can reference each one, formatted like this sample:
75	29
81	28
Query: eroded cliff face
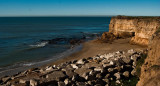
150	70
141	27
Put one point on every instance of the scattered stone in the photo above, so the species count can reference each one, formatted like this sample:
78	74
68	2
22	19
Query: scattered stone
127	60
106	80
6	79
93	71
117	75
118	82
99	75
133	72
81	84
98	69
131	51
60	83
66	81
70	73
33	82
126	74
80	62
83	72
74	66
23	81
56	75
110	69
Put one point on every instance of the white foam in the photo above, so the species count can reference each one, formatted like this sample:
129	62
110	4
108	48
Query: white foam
42	44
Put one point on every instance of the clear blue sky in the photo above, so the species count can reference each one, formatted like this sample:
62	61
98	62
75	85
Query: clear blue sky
79	7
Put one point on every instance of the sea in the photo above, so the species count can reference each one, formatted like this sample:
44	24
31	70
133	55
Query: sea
26	41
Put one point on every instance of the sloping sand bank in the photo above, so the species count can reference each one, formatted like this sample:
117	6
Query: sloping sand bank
92	48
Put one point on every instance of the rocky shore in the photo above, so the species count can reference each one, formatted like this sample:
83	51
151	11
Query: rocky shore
114	59
99	70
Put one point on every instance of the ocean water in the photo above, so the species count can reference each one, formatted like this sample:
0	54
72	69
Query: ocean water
22	38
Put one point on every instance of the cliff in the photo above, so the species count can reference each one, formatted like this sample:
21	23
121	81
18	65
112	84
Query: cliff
141	27
150	70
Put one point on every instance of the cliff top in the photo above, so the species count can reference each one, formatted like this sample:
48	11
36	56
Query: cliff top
138	17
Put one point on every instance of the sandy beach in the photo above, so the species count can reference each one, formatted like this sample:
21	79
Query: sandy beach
92	48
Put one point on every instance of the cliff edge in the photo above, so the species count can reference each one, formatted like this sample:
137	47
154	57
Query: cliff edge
141	28
150	70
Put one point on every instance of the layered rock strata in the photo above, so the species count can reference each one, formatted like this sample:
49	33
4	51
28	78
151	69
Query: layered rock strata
150	71
141	27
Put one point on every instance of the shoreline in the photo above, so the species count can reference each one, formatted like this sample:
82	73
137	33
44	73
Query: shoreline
93	55
87	49
92	48
42	63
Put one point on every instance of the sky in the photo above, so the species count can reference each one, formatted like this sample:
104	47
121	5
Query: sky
79	7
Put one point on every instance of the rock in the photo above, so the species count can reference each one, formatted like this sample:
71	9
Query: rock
107	76
80	62
98	69
90	77
118	68
89	82
106	65
118	82
106	80
68	67
33	82
108	37
60	83
6	79
49	69
74	66
81	84
133	72
91	65
107	85
23	81
82	72
75	78
99	76
131	51
111	63
127	60
135	57
70	73
56	75
74	61
110	69
66	81
108	56
126	74
98	85
117	75
100	81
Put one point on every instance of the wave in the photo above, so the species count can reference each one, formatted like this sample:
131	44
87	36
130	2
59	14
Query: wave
22	66
41	44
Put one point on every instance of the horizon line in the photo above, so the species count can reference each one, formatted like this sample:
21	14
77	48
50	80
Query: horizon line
71	15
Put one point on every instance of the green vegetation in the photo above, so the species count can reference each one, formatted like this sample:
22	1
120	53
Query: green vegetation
132	81
140	63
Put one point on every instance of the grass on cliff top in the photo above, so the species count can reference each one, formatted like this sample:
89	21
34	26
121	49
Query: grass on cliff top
138	17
